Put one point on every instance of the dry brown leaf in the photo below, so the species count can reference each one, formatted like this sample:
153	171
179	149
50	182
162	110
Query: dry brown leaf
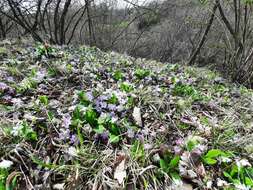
137	116
120	171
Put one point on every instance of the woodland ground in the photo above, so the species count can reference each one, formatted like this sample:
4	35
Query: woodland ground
79	118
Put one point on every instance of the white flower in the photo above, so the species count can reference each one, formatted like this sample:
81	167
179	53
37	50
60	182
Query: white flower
221	183
58	186
72	151
243	163
15	130
177	182
5	164
225	159
240	186
209	184
115	119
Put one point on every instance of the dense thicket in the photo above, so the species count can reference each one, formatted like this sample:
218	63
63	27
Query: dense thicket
213	33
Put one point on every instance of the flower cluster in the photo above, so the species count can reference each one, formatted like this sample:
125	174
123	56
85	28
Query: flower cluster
110	101
65	132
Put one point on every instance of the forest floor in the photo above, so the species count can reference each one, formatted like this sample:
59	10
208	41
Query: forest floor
80	118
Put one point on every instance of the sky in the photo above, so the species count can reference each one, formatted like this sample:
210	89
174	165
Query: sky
122	3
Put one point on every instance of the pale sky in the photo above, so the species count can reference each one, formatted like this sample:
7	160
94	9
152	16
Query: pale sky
122	3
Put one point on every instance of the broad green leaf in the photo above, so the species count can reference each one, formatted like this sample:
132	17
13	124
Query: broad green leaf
174	162
100	129
163	165
210	161
214	153
248	181
114	138
226	174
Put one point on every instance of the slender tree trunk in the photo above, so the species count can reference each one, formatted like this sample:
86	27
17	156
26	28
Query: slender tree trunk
90	24
56	20
203	39
2	29
62	21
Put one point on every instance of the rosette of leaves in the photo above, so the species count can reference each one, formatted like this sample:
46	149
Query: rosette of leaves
141	73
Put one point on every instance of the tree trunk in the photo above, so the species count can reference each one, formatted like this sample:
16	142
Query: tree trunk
203	39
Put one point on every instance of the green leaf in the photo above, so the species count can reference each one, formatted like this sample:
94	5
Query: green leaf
44	100
210	161
114	129
2	186
83	98
79	134
174	162
248	181
100	129
175	176
163	165
91	117
226	174
137	151
214	153
118	75
42	163
113	99
234	170
114	139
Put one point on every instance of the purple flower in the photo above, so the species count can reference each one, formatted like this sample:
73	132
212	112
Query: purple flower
103	97
98	108
64	134
74	139
103	105
90	96
112	107
122	100
66	121
120	108
3	86
177	150
102	138
114	119
10	79
180	142
139	137
112	114
130	133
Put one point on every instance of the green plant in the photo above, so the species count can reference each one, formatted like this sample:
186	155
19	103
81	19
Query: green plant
105	124
141	73
113	99
192	142
83	98
118	75
183	90
24	131
4	173
91	117
3	176
26	84
137	151
100	124
173	67
169	164
240	175
43	100
3	51
126	87
44	49
211	156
